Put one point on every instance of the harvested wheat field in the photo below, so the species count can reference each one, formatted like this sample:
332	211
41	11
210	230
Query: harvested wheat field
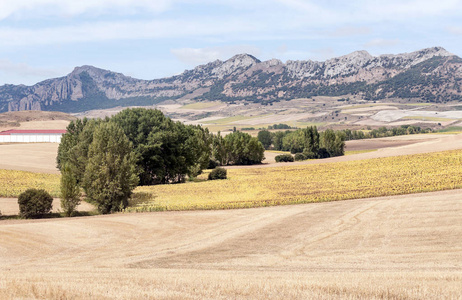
401	247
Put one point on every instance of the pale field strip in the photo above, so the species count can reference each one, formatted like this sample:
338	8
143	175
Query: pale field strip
394	115
400	247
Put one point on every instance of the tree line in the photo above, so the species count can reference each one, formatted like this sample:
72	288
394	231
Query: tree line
384	132
109	157
308	141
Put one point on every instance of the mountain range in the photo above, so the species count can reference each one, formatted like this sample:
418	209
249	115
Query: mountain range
427	75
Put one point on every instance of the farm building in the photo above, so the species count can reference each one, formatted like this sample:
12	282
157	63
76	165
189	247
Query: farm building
31	136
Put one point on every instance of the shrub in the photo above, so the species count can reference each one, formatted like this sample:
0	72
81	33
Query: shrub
34	203
284	158
213	164
218	173
300	157
323	153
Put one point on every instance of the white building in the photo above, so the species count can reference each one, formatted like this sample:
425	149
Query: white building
31	136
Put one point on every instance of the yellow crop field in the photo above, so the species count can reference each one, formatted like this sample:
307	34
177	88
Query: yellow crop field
13	183
254	187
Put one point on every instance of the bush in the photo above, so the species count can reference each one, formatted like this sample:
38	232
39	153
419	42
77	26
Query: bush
284	158
213	164
218	173
34	203
323	153
300	157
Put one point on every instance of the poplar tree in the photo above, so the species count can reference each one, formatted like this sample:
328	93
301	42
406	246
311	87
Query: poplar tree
111	172
70	190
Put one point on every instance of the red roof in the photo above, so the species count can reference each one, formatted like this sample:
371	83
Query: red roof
33	131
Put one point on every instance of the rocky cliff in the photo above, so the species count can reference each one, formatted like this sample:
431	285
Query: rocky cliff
429	75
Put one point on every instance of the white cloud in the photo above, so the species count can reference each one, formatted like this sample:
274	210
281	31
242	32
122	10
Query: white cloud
349	31
381	43
73	8
25	70
195	56
131	30
359	11
455	30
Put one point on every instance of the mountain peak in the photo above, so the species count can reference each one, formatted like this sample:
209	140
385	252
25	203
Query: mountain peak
244	57
87	68
237	62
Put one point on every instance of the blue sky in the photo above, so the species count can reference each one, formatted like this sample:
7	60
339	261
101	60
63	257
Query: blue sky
150	39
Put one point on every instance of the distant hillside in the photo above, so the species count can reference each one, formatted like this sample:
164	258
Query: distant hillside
428	75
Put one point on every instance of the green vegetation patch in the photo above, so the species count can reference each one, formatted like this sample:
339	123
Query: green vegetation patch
233	119
200	105
422	118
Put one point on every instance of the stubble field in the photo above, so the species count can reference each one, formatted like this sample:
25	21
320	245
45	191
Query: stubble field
401	247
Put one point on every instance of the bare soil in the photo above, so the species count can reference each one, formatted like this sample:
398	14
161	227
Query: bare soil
34	157
9	206
34	120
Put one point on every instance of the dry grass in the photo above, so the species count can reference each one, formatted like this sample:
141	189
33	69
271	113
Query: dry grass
209	284
403	247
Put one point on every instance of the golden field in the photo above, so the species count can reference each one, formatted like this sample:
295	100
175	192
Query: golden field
254	187
16	182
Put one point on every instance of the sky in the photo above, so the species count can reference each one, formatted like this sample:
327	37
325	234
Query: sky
149	39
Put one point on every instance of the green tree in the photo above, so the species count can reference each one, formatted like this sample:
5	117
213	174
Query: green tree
277	139
242	149
312	142
111	171
70	191
73	149
219	153
264	136
333	142
166	151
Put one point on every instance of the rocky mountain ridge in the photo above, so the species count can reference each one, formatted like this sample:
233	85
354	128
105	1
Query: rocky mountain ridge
429	75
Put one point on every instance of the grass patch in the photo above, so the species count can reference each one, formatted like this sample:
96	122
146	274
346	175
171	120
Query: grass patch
233	119
452	129
278	152
422	118
14	182
305	124
311	183
416	104
200	105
